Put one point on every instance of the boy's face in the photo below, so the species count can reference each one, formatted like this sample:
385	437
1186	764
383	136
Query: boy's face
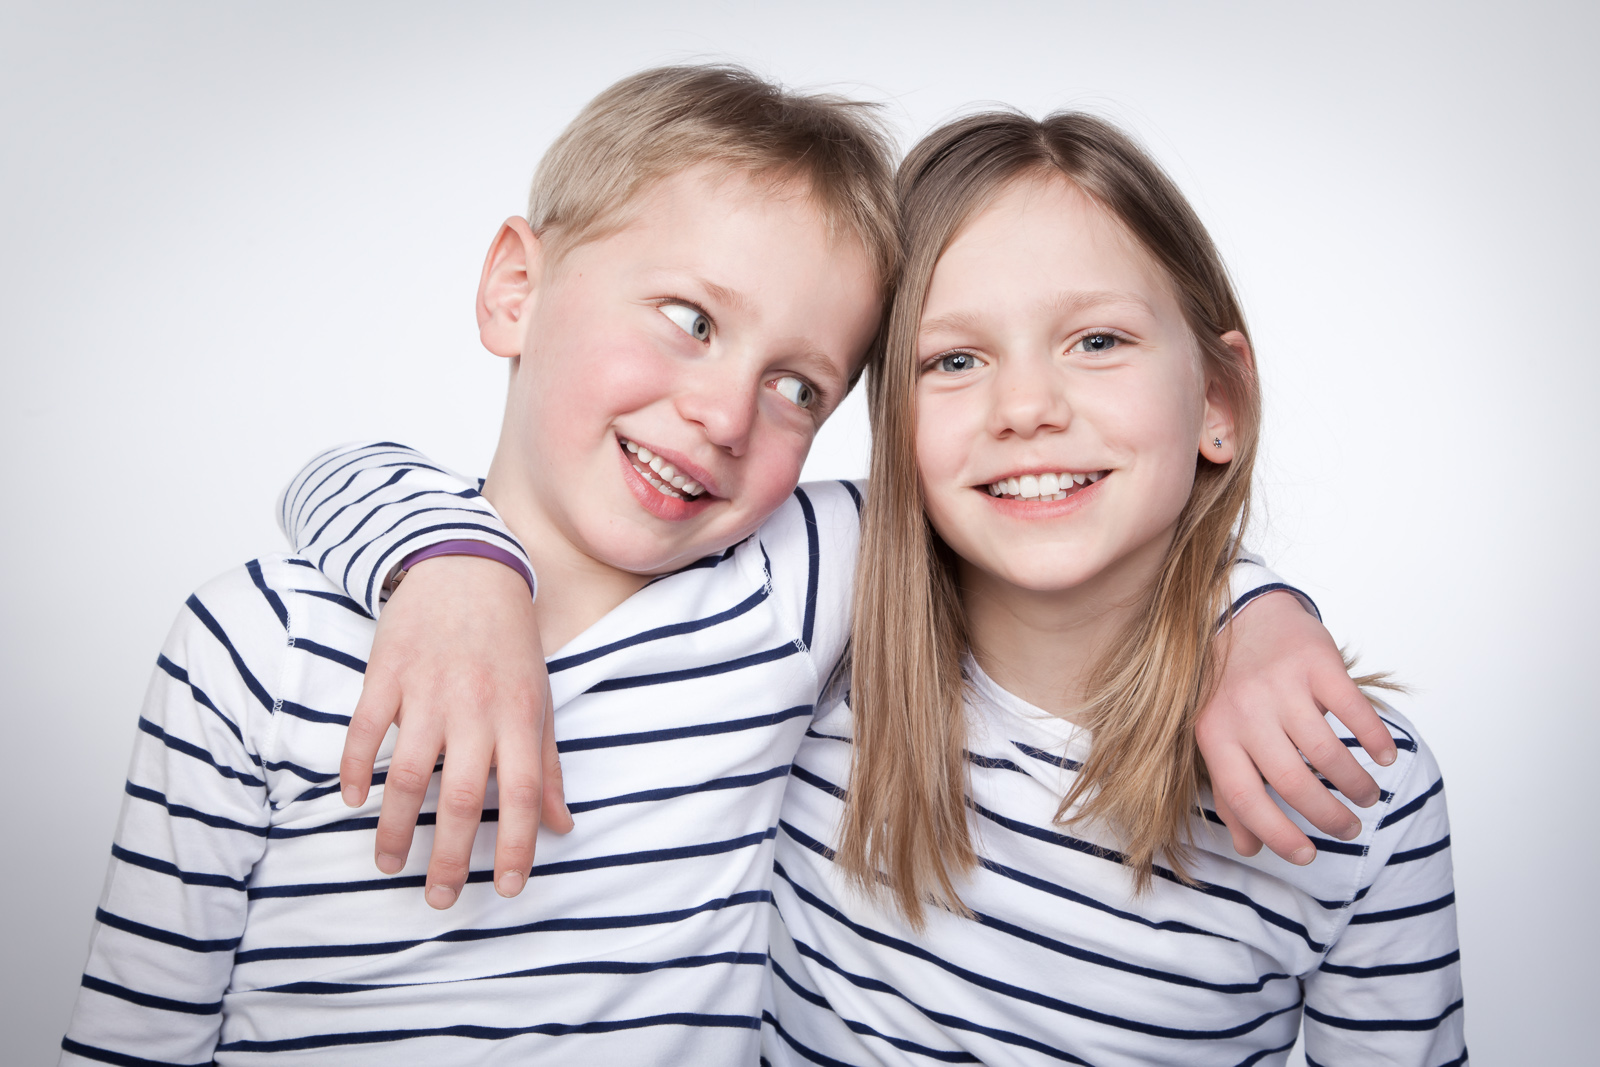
672	375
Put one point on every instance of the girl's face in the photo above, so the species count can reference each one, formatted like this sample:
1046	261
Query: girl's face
1062	401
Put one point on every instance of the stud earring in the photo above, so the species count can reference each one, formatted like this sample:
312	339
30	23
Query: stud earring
1216	442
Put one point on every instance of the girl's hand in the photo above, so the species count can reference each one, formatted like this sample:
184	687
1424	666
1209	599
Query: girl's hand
1282	672
457	663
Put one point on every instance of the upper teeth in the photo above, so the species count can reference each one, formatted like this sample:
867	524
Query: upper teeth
666	474
1043	486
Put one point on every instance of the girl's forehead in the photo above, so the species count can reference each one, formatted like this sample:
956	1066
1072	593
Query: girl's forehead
1043	232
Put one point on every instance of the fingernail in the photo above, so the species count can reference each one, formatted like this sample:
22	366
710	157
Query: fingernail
1386	757
509	884
352	796
389	863
1303	856
1349	832
440	896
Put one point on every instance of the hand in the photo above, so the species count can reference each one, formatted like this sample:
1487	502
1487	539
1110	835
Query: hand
1282	672
457	663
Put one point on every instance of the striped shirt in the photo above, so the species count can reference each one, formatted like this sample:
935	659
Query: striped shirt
1061	963
243	917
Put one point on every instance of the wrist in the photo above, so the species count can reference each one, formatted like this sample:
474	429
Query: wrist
481	549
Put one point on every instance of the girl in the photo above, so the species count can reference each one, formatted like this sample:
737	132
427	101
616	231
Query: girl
1002	848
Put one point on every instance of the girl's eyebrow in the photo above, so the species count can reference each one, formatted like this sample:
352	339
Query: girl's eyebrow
1067	303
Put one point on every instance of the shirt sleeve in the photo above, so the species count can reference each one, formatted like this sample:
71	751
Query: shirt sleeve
193	824
1251	579
1389	989
357	511
810	545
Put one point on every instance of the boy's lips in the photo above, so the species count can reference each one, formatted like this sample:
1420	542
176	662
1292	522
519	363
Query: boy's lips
668	471
661	497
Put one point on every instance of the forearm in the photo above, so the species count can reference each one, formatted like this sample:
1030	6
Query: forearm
355	512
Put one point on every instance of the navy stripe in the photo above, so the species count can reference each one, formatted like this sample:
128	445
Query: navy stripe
1412	806
593	863
254	567
1048	757
993	763
410	460
182	811
738	781
177	744
344	659
351	457
675	630
941	1055
598	922
1392	969
396	551
1411	855
813	565
1404	913
150	863
334	598
855	494
120	1059
300	711
688	673
494	1033
737	959
210	623
150	1000
309	566
1283	922
675	733
178	674
1018	993
166	937
1261	591
1371	1025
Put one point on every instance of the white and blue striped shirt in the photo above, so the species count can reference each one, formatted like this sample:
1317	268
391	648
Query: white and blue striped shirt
1061	963
243	917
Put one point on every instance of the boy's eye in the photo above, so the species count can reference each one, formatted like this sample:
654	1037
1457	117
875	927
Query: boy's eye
1096	343
956	362
795	391
690	320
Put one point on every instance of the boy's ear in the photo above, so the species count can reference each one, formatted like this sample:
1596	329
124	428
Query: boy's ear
510	276
1217	441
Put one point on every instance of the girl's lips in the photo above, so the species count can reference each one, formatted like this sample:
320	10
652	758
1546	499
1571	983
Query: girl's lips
1078	496
653	500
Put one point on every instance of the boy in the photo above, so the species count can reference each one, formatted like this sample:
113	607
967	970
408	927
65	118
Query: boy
698	284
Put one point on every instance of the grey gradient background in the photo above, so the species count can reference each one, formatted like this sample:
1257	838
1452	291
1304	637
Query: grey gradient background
233	235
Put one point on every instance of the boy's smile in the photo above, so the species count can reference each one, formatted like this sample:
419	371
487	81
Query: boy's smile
671	374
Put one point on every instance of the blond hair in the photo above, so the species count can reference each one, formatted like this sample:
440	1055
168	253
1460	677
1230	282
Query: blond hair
659	122
905	825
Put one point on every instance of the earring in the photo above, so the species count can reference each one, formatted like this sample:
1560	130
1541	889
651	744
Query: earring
1216	442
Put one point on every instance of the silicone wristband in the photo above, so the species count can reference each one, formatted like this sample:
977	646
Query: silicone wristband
465	548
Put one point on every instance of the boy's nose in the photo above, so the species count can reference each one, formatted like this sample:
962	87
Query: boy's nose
725	410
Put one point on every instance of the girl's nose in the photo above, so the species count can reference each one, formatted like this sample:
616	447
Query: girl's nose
1029	397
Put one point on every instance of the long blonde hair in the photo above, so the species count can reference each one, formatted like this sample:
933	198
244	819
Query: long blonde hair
905	826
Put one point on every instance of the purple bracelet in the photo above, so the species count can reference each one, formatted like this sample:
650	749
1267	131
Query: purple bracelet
464	548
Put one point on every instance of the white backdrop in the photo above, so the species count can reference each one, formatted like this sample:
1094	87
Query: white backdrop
230	236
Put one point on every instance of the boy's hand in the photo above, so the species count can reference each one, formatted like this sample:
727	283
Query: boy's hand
1282	672
458	664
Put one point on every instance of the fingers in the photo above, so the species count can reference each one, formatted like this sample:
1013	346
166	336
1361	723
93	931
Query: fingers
1245	843
556	814
1237	788
461	789
1334	690
518	773
405	787
1327	752
375	711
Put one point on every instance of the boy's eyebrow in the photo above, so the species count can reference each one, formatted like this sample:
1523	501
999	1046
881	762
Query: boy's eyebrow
1064	304
723	295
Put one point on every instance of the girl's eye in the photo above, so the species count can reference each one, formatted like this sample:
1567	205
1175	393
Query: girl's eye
690	320
956	362
1097	343
795	391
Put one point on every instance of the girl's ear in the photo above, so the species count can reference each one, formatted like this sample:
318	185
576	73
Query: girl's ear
510	276
1217	442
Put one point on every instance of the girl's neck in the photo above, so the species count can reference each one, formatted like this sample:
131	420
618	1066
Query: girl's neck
1042	646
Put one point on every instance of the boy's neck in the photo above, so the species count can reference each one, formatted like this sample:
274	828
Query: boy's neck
575	590
1043	646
